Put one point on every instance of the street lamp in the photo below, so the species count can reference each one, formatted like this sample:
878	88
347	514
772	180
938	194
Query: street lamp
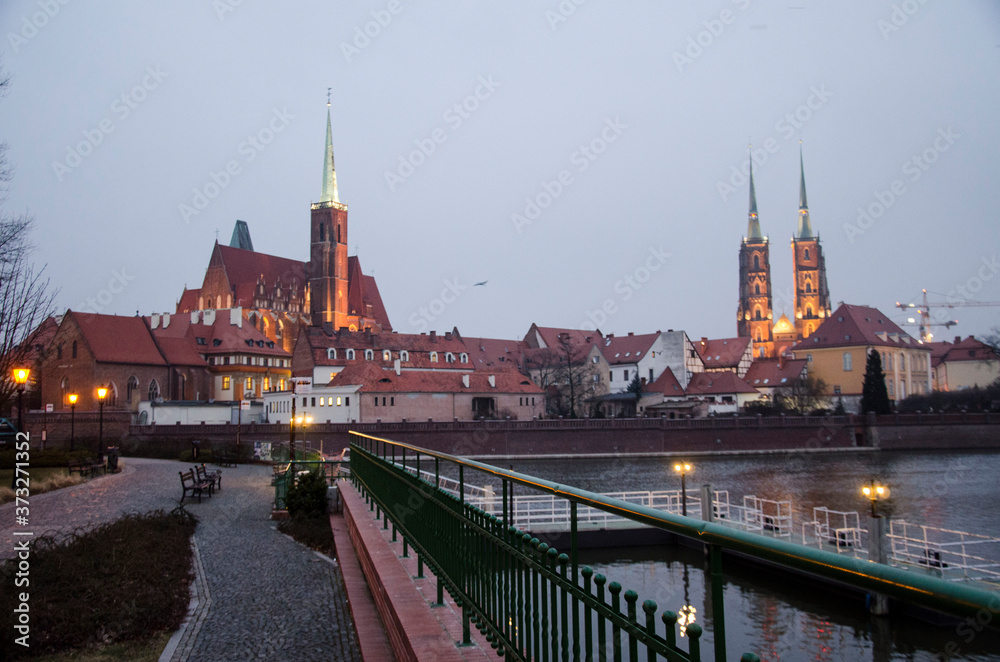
102	393
73	397
875	493
683	468
21	379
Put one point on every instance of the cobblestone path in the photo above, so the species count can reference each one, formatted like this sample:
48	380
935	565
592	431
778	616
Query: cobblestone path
260	595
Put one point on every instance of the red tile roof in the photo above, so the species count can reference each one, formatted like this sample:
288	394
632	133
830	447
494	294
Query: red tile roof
969	349
243	266
666	384
723	352
764	373
230	338
550	336
717	383
417	346
626	349
114	339
188	300
374	380
850	326
486	353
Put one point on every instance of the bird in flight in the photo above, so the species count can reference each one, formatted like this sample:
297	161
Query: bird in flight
481	283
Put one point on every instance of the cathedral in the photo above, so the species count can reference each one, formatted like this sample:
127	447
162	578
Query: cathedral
755	314
280	295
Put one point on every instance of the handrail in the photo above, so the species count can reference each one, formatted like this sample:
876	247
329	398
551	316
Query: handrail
930	592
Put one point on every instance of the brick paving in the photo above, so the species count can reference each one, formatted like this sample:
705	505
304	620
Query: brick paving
259	595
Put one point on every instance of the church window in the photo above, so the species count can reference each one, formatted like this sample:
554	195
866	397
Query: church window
807	254
756	314
322	232
760	336
809	287
809	311
338	234
218	301
369	355
154	390
756	289
848	362
131	386
756	262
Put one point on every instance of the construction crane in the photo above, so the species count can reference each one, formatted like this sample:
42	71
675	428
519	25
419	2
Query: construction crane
924	310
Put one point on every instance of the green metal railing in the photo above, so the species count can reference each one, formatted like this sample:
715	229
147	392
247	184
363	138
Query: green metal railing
534	603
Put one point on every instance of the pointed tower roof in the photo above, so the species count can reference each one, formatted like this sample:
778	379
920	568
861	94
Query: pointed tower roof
329	171
805	228
753	224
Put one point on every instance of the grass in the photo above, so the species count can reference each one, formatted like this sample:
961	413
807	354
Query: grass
128	651
126	582
42	479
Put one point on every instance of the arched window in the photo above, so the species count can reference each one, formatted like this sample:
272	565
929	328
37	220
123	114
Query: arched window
131	386
404	355
756	314
434	357
64	388
154	390
809	311
386	355
338	234
111	399
848	362
349	355
760	336
74	349
756	262
809	287
322	232
369	355
218	301
331	353
807	254
463	357
756	289
449	357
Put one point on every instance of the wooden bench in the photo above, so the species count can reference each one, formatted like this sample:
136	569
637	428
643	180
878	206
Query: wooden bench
224	457
212	477
191	483
86	467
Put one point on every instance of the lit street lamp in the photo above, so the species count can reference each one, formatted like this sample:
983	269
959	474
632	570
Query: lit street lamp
102	393
683	468
21	379
73	397
875	493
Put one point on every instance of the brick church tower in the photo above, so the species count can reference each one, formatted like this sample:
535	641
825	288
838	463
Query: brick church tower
812	296
328	274
754	315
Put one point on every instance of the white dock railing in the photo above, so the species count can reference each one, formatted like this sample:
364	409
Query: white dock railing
955	555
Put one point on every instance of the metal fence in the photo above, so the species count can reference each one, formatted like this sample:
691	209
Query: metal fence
533	602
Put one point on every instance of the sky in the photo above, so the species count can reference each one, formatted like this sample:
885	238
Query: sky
585	158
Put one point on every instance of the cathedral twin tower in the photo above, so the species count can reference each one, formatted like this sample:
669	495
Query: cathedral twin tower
811	295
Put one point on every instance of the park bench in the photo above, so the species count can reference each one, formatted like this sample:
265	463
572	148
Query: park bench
191	483
224	457
82	467
212	477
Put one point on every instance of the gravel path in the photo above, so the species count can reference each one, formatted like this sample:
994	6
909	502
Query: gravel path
259	594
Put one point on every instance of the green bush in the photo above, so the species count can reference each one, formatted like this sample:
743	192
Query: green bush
307	498
203	456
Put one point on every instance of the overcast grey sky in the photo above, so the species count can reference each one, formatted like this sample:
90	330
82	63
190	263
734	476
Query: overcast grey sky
626	123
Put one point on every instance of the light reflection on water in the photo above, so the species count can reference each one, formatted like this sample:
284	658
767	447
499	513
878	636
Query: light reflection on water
782	618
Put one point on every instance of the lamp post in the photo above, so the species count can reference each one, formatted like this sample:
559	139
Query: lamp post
291	428
73	397
102	393
21	379
683	468
877	541
875	493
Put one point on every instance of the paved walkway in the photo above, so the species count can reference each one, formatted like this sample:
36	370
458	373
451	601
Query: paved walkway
259	595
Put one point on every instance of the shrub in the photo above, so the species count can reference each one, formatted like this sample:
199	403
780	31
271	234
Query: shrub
307	498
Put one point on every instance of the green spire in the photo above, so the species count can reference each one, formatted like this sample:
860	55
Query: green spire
753	225
805	229
329	171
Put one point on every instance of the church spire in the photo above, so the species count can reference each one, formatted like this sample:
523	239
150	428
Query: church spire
753	224
329	171
805	229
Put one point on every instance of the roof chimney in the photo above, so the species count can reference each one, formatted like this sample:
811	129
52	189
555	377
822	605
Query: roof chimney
397	367
154	321
631	333
194	316
209	316
434	336
166	320
958	339
704	340
465	381
236	317
492	379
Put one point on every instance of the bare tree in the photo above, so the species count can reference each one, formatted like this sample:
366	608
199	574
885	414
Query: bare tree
26	299
801	396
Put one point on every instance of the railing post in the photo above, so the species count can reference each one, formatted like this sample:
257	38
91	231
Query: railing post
718	606
877	553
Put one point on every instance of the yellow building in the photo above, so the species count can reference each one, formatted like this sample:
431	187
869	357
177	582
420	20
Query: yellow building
963	364
837	353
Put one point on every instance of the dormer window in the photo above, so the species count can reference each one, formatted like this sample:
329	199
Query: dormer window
386	355
463	357
331	353
369	355
449	357
349	355
434	357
